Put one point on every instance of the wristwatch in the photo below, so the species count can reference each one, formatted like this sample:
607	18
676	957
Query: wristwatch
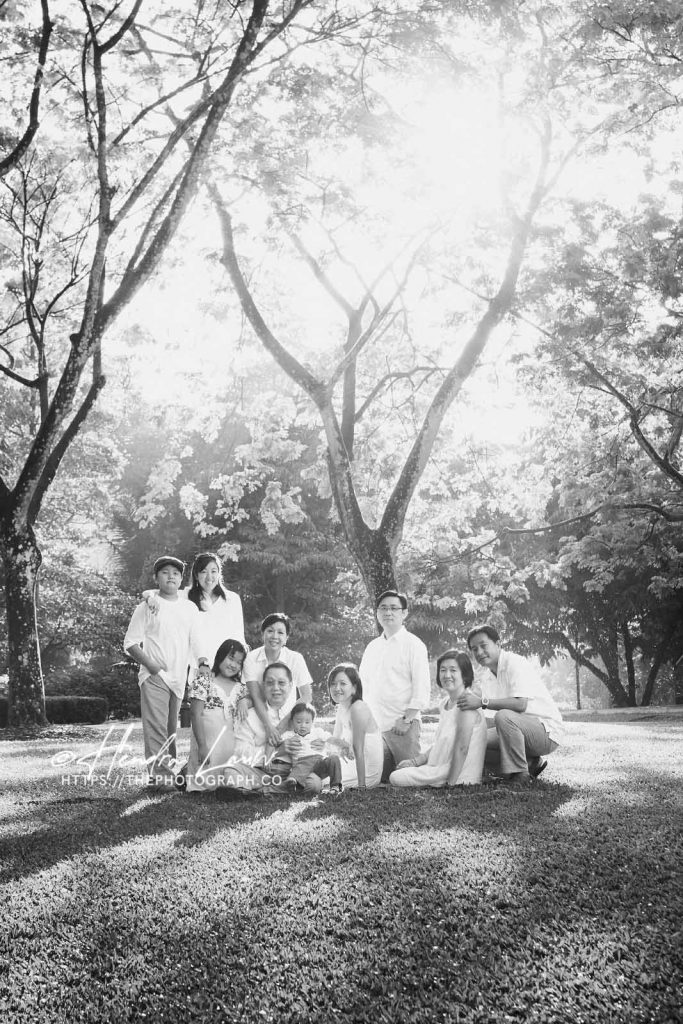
484	702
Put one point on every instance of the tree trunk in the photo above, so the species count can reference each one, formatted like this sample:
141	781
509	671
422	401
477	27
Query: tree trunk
375	560
21	560
630	666
678	681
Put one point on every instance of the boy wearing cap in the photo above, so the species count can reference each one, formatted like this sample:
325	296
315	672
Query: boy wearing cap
163	639
396	681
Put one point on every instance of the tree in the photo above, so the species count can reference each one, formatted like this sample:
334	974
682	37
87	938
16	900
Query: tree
372	316
90	204
541	60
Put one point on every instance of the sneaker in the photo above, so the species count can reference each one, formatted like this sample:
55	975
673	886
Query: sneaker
536	766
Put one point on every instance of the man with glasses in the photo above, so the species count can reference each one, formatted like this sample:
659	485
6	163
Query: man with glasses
396	682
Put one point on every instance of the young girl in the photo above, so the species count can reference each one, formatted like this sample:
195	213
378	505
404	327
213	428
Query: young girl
456	757
213	707
356	734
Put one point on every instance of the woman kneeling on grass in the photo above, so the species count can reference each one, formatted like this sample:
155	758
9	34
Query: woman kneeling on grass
356	734
456	757
213	708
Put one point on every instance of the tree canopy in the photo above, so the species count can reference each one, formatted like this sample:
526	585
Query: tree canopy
396	289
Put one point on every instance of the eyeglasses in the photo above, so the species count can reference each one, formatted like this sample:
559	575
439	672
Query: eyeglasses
390	608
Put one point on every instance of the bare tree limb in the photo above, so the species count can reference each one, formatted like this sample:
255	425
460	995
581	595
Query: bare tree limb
313	387
662	462
501	303
34	106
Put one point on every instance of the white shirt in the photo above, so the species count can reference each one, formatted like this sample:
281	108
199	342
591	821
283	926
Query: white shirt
219	620
168	632
395	675
316	735
256	663
250	735
518	677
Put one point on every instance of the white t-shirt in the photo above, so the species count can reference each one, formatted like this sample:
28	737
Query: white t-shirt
307	749
518	677
169	632
219	620
395	675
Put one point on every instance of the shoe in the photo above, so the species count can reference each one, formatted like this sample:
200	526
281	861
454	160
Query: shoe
517	780
492	780
536	766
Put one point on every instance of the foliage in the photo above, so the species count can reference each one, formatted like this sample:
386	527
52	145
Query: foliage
369	907
113	681
64	710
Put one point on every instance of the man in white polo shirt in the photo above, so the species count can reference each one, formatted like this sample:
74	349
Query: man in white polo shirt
396	682
528	722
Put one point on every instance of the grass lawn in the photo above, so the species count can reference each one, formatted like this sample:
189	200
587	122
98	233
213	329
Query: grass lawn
559	903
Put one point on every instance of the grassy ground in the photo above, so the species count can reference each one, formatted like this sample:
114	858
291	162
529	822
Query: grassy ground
560	903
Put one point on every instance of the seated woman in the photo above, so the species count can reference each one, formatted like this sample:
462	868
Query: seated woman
456	757
275	631
213	708
356	734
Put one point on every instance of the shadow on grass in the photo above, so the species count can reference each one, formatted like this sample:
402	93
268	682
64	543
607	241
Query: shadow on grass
79	819
514	906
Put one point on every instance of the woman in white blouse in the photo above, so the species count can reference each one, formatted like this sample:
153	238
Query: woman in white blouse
222	617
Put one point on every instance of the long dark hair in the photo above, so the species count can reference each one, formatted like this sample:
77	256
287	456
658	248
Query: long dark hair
464	664
349	669
226	648
195	593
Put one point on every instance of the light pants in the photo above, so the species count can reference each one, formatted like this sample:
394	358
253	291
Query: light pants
400	748
520	737
159	707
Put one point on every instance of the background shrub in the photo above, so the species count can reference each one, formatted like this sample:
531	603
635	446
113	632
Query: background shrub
115	682
67	710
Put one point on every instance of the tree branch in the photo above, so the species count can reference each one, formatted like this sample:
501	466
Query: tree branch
662	462
313	387
34	106
134	276
501	303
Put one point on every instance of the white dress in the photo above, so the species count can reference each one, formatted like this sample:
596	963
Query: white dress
374	752
435	771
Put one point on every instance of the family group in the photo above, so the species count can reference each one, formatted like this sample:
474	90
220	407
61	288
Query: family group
254	723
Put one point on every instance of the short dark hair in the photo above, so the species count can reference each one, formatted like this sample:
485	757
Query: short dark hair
277	664
392	593
226	648
352	672
274	617
490	631
464	664
300	708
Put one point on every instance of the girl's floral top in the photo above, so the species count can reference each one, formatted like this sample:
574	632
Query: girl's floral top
212	692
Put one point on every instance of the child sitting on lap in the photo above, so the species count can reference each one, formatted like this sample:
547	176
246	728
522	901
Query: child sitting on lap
302	746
